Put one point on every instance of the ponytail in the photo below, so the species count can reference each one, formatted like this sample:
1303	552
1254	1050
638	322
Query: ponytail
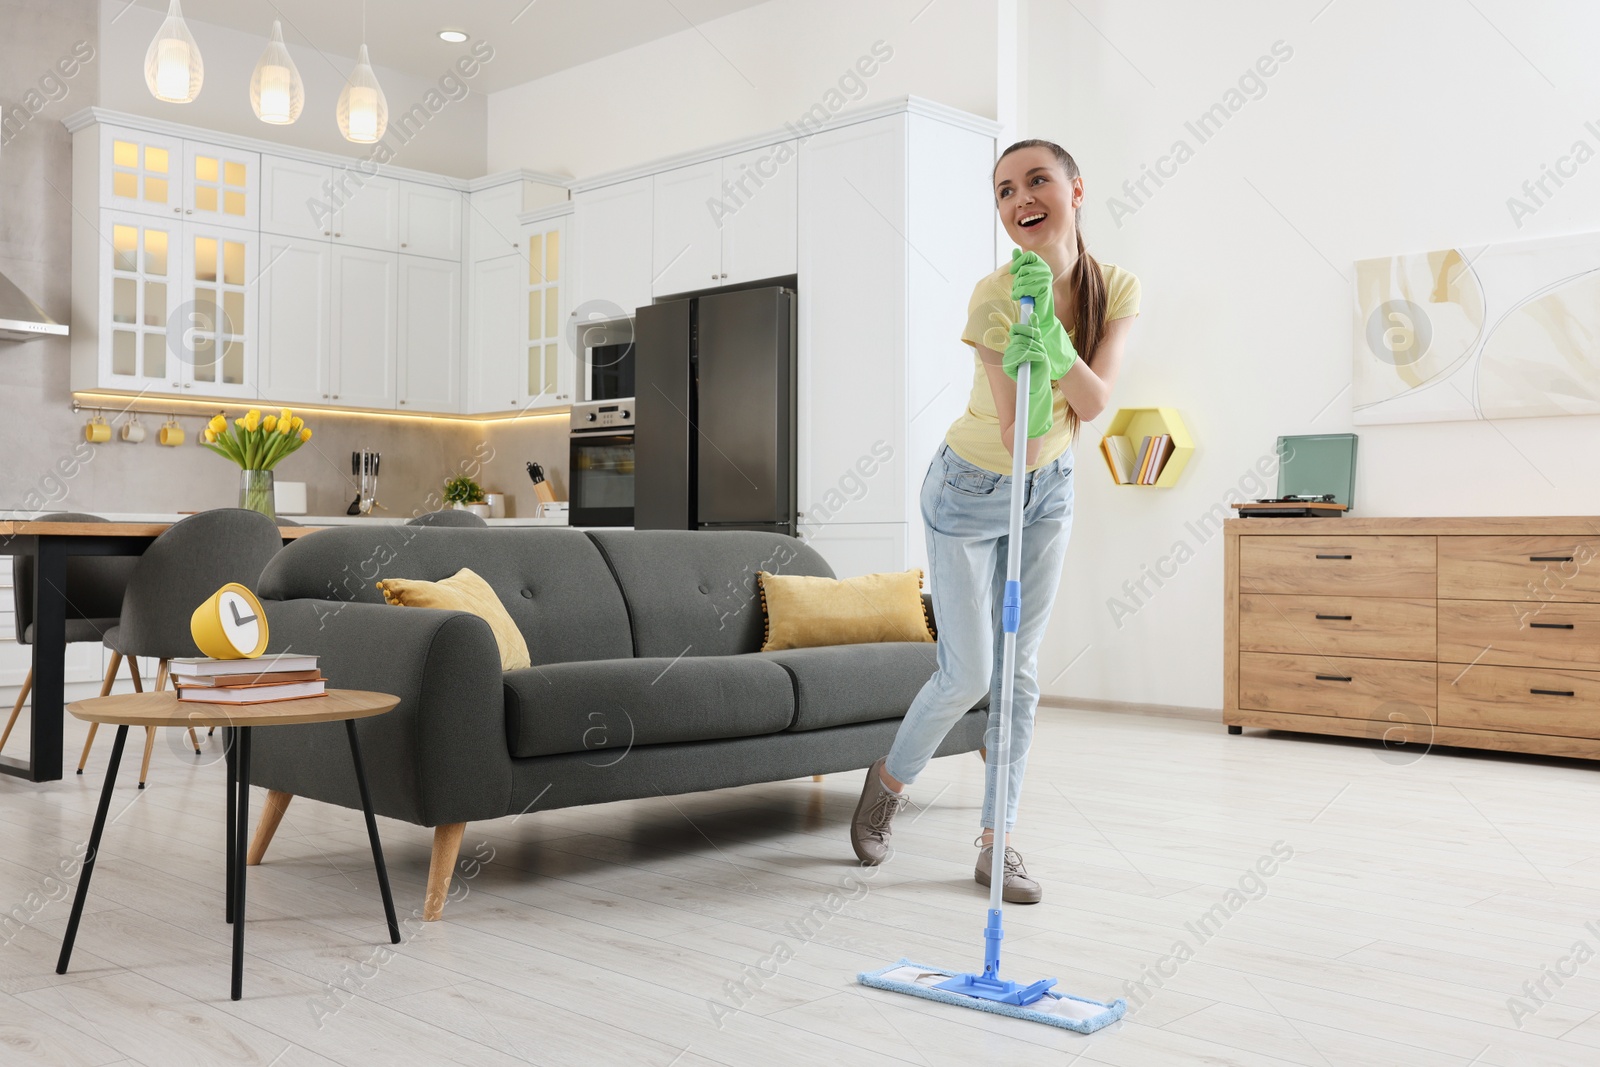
1088	280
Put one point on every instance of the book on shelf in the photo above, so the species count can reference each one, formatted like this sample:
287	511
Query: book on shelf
251	694
1119	452
1137	466
202	666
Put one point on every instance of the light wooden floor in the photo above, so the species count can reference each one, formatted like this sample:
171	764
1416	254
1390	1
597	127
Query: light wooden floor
1421	894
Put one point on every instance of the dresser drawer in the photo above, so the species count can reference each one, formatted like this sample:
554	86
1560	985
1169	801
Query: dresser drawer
1519	568
1520	699
1520	633
1371	627
1338	565
1342	686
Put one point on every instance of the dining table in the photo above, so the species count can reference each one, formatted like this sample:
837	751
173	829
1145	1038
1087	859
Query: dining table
50	543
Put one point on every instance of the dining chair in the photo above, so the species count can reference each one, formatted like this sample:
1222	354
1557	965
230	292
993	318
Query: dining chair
94	603
177	573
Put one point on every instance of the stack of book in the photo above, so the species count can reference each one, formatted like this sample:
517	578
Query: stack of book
1141	467
246	681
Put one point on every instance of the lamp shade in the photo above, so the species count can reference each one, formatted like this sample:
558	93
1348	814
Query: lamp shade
172	67
276	92
363	111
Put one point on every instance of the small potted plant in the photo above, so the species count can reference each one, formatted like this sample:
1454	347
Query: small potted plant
464	494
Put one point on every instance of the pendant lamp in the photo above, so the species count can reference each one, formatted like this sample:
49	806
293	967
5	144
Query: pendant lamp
363	111
276	91
172	67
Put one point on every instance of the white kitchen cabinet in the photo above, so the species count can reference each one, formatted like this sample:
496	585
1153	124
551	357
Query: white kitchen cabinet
177	308
296	316
429	334
157	174
548	375
895	228
430	221
214	333
295	198
759	238
496	334
687	245
612	259
369	215
492	220
221	185
365	288
726	221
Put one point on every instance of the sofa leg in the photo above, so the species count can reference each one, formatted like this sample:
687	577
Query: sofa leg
271	815
446	846
817	777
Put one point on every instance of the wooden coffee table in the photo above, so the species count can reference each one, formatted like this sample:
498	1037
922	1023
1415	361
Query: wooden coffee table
165	709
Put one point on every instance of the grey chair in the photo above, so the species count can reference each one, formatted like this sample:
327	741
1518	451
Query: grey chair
176	574
94	604
448	517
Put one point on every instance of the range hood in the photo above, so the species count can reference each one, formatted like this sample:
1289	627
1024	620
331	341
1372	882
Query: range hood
21	319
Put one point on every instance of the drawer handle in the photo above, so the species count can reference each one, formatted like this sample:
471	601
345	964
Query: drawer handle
1551	625
1330	555
1331	678
1552	692
1549	559
1347	618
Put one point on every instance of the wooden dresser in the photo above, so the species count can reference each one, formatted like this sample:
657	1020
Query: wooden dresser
1478	632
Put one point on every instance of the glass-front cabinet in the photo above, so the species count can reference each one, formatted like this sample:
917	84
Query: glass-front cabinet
155	174
547	379
178	308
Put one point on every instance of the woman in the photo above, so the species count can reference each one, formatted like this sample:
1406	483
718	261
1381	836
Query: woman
1082	307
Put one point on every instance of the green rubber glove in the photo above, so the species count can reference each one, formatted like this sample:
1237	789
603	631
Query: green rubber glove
1042	341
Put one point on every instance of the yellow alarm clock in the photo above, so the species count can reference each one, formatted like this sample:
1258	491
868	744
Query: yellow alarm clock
230	624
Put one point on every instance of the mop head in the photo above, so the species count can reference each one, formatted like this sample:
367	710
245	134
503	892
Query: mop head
1056	1009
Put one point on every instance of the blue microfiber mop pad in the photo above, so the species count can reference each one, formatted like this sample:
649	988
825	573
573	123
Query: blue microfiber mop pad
1056	1009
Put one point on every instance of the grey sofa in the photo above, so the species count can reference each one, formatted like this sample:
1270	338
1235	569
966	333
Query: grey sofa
646	679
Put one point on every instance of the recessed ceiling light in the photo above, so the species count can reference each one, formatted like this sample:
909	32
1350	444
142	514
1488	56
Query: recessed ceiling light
453	36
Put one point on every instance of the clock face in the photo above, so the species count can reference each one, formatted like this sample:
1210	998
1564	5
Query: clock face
241	621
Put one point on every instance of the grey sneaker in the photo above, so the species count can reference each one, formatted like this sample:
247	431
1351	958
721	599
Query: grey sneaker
1019	888
869	829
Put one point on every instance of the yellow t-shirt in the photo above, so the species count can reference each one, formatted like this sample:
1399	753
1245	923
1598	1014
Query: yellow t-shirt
975	436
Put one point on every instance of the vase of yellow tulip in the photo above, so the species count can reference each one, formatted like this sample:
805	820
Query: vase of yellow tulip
256	444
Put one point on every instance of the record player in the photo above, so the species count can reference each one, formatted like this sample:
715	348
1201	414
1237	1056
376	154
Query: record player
1316	478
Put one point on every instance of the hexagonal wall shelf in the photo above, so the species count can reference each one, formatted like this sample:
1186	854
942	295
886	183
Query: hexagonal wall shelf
1130	426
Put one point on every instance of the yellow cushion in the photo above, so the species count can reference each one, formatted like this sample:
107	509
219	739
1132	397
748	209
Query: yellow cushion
805	612
463	591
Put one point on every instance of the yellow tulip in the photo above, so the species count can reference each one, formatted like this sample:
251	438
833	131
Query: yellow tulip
269	423
218	424
239	423
285	424
297	424
305	434
252	420
285	415
211	436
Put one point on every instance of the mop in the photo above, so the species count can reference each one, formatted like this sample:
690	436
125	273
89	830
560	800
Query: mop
1036	1001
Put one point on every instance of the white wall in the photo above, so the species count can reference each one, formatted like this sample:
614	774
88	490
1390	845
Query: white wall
741	74
1392	128
452	141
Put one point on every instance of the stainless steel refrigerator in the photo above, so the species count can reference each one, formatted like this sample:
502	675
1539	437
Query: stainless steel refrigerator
714	443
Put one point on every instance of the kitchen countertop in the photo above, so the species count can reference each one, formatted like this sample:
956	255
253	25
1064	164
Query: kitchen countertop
386	519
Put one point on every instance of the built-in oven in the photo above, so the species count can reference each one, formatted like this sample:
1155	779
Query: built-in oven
600	478
605	353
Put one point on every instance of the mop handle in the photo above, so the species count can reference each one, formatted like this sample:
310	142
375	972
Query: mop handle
1011	617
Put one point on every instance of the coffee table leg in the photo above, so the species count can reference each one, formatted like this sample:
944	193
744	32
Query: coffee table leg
94	850
231	748
236	857
372	832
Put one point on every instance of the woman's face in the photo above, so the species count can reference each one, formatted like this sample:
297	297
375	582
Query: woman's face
1036	199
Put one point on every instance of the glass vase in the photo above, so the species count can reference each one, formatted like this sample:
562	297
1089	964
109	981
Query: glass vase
255	493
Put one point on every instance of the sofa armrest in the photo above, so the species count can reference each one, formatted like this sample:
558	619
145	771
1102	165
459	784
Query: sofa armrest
927	607
440	756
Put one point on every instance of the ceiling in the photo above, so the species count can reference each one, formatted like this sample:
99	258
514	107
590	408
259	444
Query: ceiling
530	39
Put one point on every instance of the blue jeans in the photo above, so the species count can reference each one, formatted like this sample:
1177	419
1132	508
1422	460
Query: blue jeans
966	511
